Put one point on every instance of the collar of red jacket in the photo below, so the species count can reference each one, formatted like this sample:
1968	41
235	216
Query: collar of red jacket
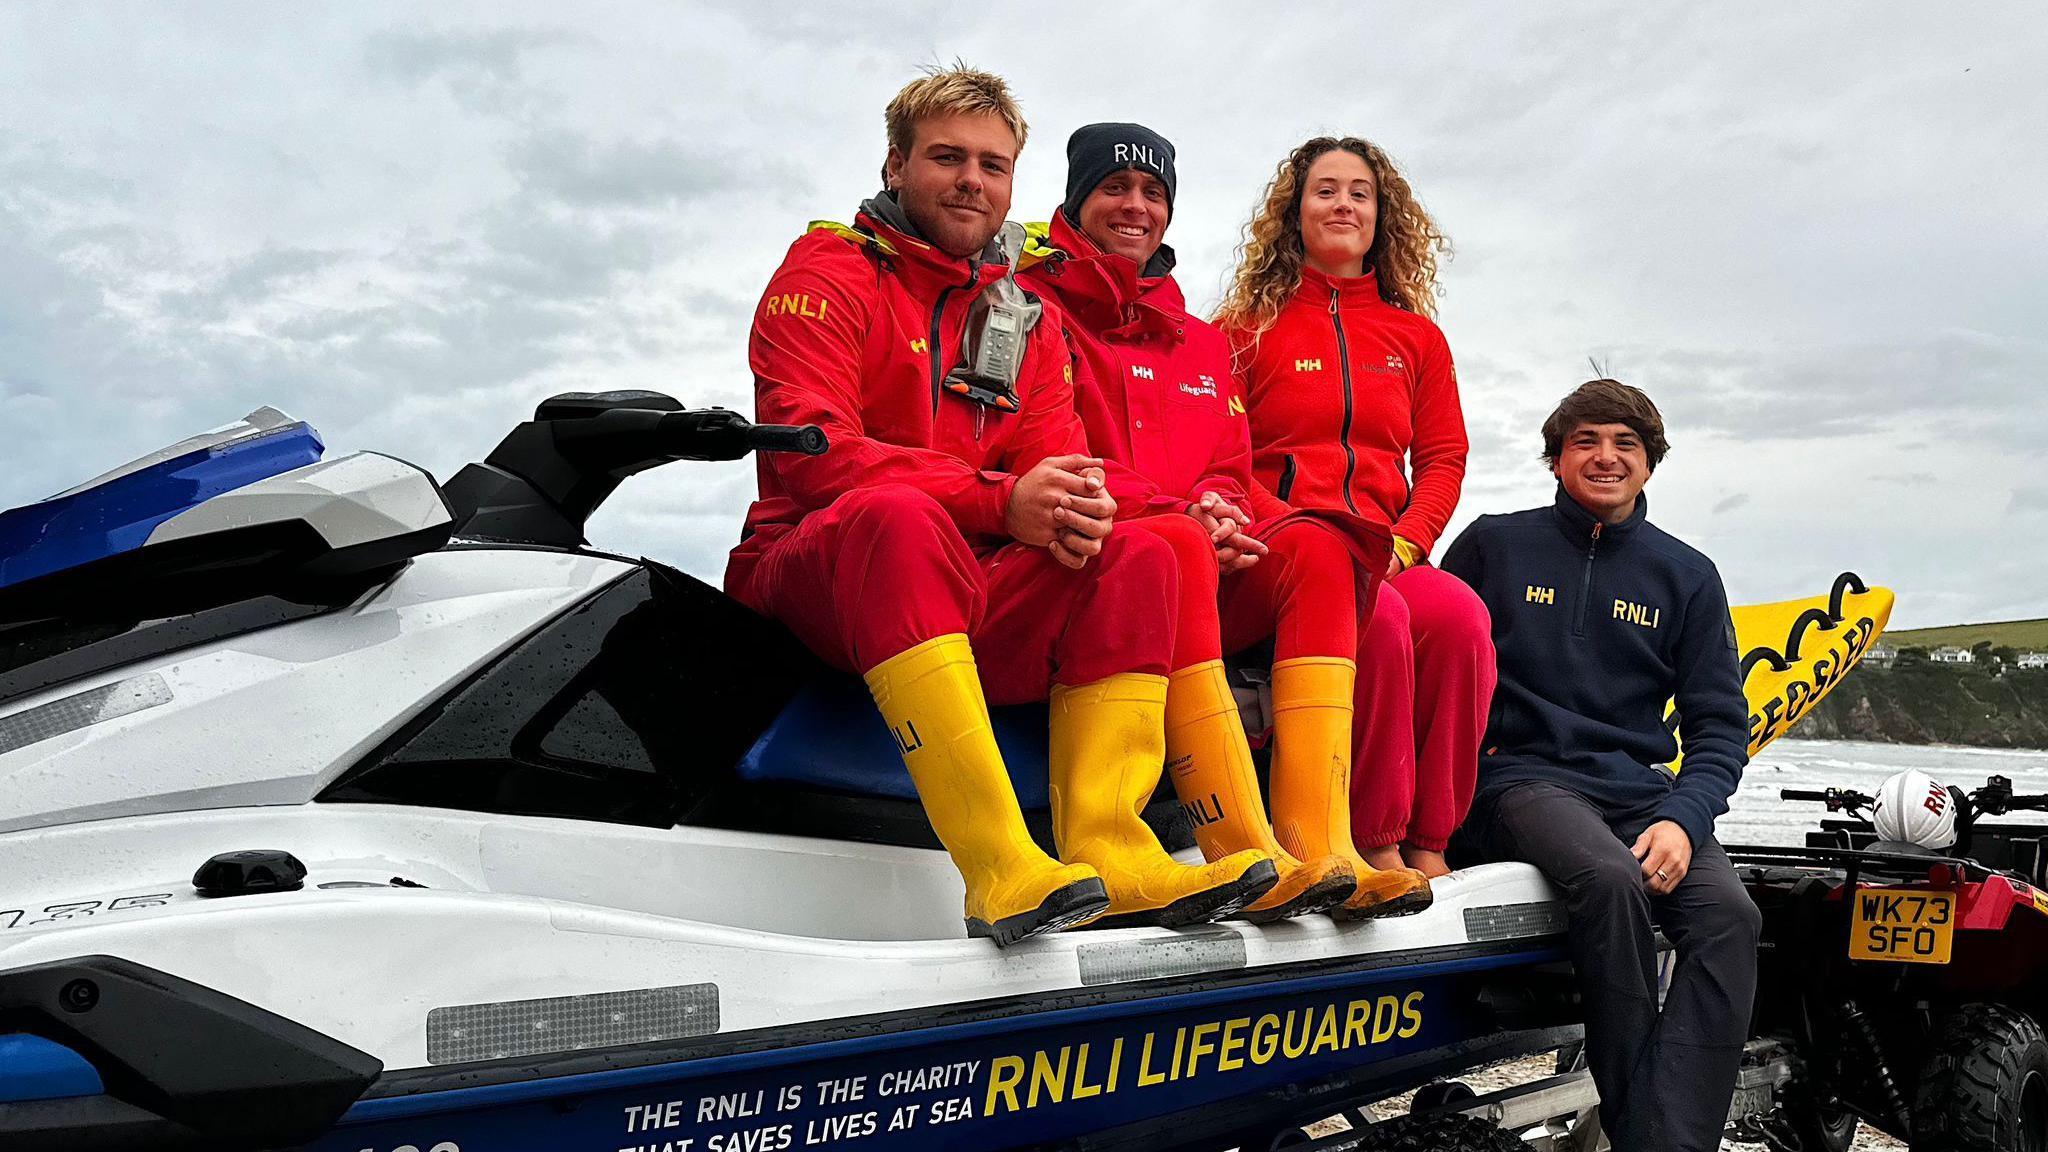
925	269
1105	291
1352	291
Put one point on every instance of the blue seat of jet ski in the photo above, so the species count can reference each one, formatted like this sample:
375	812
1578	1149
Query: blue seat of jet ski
830	736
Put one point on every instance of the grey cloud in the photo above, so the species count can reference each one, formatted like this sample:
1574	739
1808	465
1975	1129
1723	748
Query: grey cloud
582	172
1730	502
832	26
1822	390
2032	499
247	280
484	69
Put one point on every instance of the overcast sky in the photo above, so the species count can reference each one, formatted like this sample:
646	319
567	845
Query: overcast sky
1814	233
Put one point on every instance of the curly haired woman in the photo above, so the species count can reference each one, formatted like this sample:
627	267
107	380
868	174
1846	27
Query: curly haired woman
1355	419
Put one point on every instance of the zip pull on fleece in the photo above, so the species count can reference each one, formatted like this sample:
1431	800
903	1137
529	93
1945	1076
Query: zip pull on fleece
1586	581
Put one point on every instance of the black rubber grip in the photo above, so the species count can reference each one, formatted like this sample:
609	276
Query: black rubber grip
808	439
1801	794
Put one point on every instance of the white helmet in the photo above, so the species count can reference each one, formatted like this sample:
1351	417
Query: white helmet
1914	808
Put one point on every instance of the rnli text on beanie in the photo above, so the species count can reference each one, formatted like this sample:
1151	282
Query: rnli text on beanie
1096	150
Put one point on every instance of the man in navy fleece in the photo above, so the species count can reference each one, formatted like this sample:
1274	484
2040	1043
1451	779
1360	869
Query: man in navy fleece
1599	618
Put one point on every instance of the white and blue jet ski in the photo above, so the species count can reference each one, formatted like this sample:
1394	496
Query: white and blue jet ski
340	811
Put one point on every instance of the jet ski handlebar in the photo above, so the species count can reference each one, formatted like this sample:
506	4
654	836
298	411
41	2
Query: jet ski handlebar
634	439
545	478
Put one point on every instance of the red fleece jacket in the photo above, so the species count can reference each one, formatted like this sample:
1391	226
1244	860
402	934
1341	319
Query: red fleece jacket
1153	383
1347	393
855	337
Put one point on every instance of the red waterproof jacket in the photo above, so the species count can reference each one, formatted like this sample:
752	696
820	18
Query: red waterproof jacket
1153	383
1347	394
854	334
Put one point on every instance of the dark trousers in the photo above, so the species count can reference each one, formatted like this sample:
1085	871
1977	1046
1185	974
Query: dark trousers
1665	1079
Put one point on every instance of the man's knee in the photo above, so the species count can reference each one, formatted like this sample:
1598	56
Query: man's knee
890	502
894	516
1185	538
894	544
1144	554
1730	921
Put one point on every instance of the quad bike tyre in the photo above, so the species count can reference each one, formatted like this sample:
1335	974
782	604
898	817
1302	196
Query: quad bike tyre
1984	1087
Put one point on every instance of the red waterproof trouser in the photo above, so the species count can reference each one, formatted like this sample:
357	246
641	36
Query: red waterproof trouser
1425	681
1425	664
884	569
1304	593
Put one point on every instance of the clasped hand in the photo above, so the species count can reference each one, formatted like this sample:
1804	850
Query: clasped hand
1226	523
1062	504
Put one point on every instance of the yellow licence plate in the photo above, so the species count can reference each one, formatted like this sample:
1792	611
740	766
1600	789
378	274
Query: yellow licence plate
1909	925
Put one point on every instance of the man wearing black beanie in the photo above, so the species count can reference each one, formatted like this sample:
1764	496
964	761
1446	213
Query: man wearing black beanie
1094	152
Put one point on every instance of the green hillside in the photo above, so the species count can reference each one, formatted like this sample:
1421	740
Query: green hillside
2022	635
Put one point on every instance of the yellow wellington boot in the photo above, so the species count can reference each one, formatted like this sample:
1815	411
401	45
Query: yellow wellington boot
930	696
1211	767
1312	782
1108	748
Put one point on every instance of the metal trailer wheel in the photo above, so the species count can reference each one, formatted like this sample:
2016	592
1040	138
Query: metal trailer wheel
1984	1086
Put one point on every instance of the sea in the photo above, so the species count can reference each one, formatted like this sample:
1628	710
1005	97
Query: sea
1757	816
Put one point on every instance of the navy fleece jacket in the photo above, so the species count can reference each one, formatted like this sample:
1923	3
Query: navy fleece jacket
1596	627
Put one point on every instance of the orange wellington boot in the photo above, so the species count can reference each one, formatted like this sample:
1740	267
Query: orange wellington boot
1211	767
1312	782
931	698
1108	749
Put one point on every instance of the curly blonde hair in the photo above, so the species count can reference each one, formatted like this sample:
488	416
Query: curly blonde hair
1405	245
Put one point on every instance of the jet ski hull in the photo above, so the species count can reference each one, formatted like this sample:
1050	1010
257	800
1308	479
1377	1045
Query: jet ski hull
1138	1064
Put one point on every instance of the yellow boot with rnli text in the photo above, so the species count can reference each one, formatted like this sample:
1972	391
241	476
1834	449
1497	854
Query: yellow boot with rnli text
1108	749
931	698
1312	706
1210	763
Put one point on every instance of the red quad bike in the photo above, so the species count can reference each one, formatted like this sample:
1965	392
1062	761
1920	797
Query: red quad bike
1900	986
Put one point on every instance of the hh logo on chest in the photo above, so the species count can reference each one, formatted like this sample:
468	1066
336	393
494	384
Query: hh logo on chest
1638	614
1141	372
1535	595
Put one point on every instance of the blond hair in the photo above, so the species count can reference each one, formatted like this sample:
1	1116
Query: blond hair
1403	256
955	91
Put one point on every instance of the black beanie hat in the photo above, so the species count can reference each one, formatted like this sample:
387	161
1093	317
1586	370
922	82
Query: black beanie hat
1096	150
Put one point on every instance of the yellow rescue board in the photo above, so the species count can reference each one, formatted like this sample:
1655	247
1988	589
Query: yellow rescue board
1795	651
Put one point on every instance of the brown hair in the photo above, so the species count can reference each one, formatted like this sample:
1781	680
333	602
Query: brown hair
1405	245
954	91
1605	401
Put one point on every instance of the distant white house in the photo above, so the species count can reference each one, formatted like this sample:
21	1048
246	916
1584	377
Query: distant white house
1880	655
1950	654
2032	660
